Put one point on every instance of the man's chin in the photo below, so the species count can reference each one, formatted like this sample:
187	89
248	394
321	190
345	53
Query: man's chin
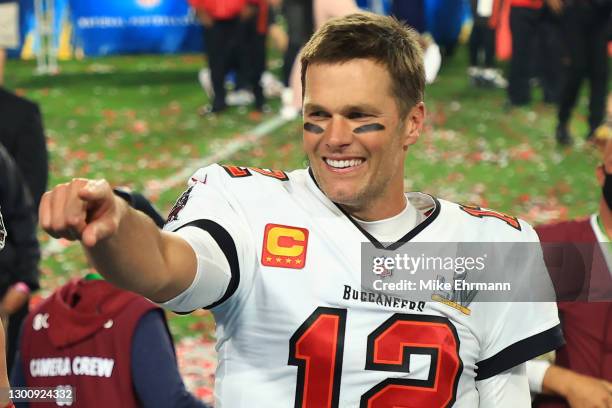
343	197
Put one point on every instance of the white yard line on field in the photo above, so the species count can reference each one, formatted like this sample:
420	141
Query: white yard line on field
248	138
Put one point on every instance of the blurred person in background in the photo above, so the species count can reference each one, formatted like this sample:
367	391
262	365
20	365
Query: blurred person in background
322	11
9	30
19	272
581	374
5	401
222	21
23	136
111	346
300	26
253	48
411	13
535	50
586	29
481	71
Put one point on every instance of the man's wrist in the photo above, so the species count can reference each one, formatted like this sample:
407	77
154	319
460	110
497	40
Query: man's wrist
558	380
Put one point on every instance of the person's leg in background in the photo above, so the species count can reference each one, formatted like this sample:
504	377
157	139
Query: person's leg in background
259	66
574	64
12	335
224	41
597	58
2	62
522	24
549	55
300	26
475	42
214	45
255	30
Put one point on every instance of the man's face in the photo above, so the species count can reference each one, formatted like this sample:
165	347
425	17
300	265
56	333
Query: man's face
354	136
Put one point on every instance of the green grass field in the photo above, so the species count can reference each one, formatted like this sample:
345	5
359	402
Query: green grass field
133	121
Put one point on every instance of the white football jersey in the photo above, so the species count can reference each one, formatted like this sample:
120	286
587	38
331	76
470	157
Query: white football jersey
296	329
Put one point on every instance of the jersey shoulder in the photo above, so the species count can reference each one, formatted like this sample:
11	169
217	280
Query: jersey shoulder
223	175
490	225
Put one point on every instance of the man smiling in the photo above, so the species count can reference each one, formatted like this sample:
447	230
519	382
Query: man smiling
276	255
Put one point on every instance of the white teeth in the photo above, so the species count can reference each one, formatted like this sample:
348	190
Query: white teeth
342	164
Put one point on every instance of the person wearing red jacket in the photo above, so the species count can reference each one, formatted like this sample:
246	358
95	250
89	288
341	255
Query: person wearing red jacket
581	375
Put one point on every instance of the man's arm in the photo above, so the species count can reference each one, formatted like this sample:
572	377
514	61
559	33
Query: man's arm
124	245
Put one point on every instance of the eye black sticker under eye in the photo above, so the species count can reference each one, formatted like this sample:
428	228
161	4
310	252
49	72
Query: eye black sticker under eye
372	127
311	127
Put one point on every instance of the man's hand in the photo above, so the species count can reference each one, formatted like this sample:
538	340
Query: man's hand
589	392
581	391
82	209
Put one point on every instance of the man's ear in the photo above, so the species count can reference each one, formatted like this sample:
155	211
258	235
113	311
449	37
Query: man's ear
413	124
600	174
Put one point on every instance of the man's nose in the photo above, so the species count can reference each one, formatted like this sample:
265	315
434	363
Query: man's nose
338	132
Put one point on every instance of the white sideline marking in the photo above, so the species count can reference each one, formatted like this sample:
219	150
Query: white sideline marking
249	138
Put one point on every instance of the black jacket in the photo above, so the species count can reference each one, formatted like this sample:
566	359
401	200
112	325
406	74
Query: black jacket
19	258
21	133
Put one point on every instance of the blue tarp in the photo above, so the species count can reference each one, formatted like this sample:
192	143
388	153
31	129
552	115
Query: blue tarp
137	26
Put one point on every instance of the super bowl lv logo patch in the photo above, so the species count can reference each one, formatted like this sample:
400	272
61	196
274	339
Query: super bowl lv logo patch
284	246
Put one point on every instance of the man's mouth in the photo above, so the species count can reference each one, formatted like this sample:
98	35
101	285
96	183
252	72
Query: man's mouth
343	164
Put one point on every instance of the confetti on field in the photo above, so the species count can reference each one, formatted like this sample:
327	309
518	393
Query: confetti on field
197	360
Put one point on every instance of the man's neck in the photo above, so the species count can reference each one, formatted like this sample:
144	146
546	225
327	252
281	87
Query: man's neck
380	210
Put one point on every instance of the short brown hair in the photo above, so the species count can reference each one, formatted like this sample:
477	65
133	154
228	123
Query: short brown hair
379	38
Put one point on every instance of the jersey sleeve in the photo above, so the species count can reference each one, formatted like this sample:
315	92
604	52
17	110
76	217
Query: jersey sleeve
207	217
514	332
508	389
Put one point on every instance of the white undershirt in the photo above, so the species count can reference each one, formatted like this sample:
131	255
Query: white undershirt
392	229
